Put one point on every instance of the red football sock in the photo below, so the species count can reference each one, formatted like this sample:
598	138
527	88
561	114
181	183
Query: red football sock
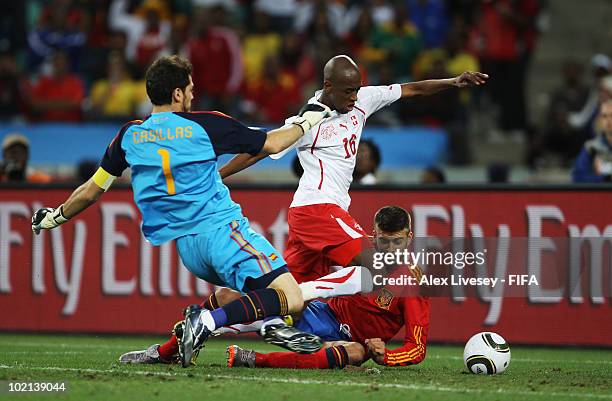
170	348
328	358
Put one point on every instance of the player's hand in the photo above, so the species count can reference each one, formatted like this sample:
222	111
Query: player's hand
47	218
470	78
376	350
311	114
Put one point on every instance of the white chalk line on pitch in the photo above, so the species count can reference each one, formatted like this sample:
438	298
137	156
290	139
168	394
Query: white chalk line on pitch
53	352
64	345
529	360
416	387
124	348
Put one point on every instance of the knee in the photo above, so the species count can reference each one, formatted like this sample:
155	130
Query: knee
356	353
226	295
295	300
287	284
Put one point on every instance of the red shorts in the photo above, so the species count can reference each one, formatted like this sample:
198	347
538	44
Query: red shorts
320	236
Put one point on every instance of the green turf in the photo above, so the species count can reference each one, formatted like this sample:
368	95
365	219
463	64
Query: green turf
88	366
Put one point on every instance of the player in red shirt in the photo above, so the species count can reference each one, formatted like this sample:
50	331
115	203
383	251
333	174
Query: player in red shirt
322	233
358	327
354	327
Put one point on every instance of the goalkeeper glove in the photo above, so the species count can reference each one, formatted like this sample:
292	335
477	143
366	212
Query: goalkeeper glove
47	218
311	114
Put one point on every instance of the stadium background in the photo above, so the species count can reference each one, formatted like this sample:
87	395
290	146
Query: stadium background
522	132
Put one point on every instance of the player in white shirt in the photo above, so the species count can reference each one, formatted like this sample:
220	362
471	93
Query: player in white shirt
321	231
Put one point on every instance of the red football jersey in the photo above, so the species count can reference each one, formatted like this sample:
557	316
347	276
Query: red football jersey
381	314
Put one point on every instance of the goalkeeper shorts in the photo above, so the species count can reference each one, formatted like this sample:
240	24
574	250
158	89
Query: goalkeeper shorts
230	256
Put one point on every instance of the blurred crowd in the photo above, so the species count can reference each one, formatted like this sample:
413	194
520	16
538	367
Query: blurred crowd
578	123
259	60
75	60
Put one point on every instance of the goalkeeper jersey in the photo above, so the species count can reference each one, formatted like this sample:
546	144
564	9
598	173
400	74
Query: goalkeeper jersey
173	158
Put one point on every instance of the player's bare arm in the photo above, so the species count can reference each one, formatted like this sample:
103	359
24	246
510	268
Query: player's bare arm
277	141
280	138
84	196
239	163
432	86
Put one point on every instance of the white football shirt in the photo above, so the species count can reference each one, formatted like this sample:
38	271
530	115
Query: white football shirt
327	151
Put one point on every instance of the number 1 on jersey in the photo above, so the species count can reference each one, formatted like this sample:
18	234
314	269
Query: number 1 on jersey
165	155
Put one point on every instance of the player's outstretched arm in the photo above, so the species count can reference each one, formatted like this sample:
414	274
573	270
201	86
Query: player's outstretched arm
239	163
82	197
431	86
276	141
279	139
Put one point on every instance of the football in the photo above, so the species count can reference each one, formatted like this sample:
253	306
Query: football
486	353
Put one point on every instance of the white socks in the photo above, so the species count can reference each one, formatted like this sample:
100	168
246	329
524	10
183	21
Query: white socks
241	328
249	328
346	281
208	320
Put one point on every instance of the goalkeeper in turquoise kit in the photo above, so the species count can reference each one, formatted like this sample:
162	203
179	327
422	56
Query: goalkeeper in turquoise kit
173	157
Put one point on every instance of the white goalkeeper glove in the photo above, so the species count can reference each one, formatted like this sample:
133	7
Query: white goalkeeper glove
311	114
47	218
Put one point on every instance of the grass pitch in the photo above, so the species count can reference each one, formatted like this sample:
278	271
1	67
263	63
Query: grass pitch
88	365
